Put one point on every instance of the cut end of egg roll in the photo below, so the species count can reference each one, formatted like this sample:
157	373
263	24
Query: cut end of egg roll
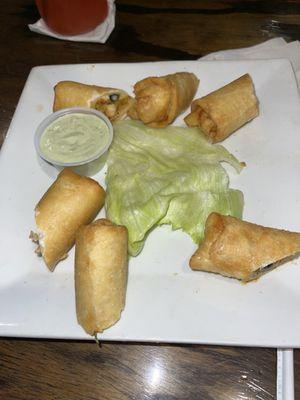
70	202
114	103
159	100
243	250
225	110
101	267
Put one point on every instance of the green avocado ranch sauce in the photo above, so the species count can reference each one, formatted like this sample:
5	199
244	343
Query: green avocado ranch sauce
74	138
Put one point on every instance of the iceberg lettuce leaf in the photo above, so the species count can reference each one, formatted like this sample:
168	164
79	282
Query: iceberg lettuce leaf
167	176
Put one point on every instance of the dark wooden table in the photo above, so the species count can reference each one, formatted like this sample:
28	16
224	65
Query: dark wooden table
145	30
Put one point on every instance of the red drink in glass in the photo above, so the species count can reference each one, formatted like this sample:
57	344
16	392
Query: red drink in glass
72	17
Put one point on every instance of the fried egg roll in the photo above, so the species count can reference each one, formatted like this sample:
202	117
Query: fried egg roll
159	100
101	267
243	250
71	201
114	103
223	111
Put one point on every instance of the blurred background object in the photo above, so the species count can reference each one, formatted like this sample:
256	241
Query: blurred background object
72	17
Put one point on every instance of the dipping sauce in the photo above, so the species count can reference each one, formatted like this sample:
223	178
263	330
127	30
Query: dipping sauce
75	138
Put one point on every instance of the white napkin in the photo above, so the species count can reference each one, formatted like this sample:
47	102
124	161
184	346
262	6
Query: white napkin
285	375
98	35
273	48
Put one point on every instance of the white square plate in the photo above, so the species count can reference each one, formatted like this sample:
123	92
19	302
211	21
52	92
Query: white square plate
166	301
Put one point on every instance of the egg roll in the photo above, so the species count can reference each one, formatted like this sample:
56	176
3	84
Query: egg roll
223	111
101	268
159	100
114	103
243	250
70	202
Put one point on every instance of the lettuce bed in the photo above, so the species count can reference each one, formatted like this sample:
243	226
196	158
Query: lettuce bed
167	176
